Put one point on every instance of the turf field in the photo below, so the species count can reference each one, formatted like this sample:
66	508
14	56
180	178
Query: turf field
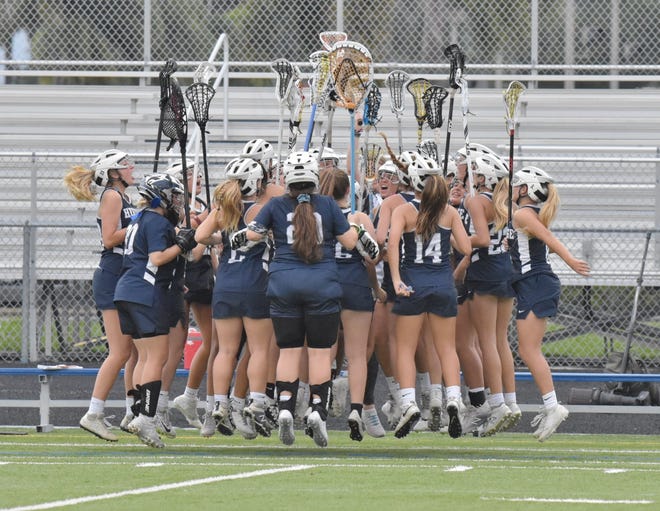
70	469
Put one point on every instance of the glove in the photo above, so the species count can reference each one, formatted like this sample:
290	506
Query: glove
185	239
366	245
241	243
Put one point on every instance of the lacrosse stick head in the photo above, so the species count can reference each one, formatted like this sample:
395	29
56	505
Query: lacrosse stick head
395	81
285	78
371	159
330	37
429	149
320	76
178	107
372	105
199	95
203	73
417	88
169	124
456	59
511	101
350	65
433	98
164	80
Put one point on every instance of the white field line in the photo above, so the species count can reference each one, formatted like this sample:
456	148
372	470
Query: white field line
571	501
153	489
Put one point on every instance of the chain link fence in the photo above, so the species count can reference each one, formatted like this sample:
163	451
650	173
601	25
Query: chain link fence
519	36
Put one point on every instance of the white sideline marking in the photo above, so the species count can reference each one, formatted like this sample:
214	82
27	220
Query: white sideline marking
458	468
153	489
570	501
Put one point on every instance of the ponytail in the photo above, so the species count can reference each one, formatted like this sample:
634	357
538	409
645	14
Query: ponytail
79	182
550	207
306	242
227	198
435	198
501	203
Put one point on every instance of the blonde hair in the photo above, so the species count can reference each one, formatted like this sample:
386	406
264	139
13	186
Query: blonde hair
550	207
227	198
80	183
501	203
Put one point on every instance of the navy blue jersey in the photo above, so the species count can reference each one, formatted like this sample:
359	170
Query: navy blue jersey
491	263
242	271
277	215
529	255
427	263
350	263
148	232
111	258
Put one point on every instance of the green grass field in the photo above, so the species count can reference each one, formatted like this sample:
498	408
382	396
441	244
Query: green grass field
70	469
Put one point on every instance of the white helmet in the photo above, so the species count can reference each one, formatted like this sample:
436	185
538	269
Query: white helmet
162	188
476	150
420	169
247	171
301	167
452	169
258	149
492	168
407	157
389	168
175	169
328	154
105	162
536	180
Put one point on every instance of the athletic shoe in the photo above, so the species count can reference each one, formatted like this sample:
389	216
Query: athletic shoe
372	424
392	412
435	405
123	425
94	423
453	413
339	396
133	425
514	419
425	410
145	429
421	426
409	418
208	427
285	421
222	418
497	418
356	425
163	424
308	431
242	424
188	407
256	417
319	431
474	417
271	412
302	402
553	418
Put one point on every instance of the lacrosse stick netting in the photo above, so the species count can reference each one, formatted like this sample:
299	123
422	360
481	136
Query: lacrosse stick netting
429	148
164	80
319	88
456	67
395	82
417	88
178	106
511	98
199	95
433	99
285	78
465	107
296	104
369	118
331	37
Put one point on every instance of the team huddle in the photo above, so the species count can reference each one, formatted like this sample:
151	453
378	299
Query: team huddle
300	298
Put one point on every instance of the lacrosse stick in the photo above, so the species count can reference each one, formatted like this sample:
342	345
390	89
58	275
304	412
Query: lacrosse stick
369	118
164	79
199	95
285	78
370	155
456	66
429	148
433	99
465	104
318	86
417	88
178	107
511	101
296	103
395	82
331	37
350	63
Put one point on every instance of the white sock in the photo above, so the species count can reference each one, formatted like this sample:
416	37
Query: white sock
453	392
406	396
223	399
510	398
238	403
495	400
209	403
163	400
258	398
191	393
96	405
550	400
